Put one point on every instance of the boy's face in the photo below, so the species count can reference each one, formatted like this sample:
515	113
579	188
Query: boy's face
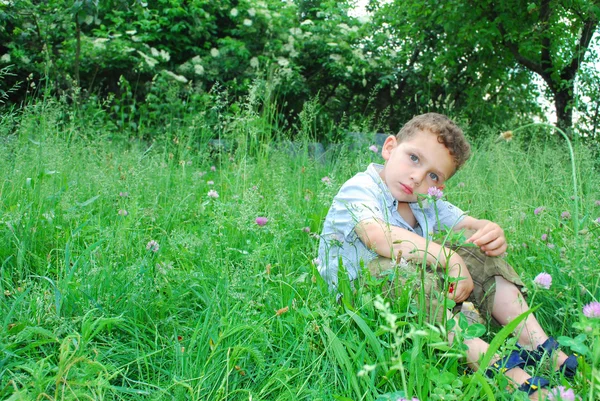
415	165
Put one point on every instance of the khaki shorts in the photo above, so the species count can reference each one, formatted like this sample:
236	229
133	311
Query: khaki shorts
483	269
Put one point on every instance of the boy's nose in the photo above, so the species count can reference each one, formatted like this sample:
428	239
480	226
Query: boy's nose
418	177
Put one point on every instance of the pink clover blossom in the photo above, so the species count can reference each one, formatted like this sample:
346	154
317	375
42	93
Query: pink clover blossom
592	309
261	221
152	246
544	280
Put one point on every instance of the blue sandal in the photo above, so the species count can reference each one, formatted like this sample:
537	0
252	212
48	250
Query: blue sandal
568	368
514	360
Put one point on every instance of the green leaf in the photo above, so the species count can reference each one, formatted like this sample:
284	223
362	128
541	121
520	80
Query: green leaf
475	331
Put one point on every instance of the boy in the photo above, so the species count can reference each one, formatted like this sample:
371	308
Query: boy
375	216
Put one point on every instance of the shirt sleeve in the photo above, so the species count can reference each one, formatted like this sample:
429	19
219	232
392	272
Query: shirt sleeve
357	201
448	214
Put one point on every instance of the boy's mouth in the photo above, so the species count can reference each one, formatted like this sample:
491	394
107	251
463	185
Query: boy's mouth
406	189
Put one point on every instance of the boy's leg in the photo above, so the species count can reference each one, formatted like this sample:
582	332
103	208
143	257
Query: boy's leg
508	304
497	294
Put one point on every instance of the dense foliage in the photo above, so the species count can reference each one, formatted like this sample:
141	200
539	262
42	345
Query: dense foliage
152	60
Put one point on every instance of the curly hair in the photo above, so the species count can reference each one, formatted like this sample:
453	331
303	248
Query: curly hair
446	130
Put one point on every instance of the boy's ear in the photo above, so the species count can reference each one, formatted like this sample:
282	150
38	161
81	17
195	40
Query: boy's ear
388	146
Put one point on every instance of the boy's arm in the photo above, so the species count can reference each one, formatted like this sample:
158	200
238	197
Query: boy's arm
387	240
489	236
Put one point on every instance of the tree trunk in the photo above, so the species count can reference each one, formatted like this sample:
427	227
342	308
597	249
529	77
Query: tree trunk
563	102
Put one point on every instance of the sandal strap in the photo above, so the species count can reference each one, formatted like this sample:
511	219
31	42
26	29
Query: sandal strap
533	384
549	346
569	367
502	365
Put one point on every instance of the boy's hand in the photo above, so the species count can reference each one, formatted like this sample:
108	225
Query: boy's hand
459	291
490	239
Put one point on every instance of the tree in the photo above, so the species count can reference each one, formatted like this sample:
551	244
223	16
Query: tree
550	38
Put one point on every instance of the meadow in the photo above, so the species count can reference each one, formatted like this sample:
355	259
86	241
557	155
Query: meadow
136	269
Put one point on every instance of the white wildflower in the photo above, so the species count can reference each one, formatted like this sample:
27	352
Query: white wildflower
214	52
165	55
332	44
234	12
254	62
247	22
178	78
251	12
99	43
196	60
154	52
149	60
198	69
282	61
349	68
5	58
344	26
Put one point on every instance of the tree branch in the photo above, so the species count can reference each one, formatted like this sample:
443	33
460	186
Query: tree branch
568	73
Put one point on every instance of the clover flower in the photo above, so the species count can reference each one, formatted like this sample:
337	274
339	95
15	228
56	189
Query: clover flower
373	148
565	215
592	310
124	194
306	229
435	192
213	194
544	280
539	210
544	237
561	393
597	203
326	180
122	212
213	168
261	221
210	183
152	246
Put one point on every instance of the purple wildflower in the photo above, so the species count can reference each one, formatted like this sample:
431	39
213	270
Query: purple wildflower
124	194
544	237
598	220
152	246
210	183
565	215
373	148
213	168
306	229
213	194
544	280
261	221
592	310
326	180
435	192
551	246
597	203
316	261
539	210
562	394
122	212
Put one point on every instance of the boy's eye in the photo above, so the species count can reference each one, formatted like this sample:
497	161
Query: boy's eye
434	177
414	158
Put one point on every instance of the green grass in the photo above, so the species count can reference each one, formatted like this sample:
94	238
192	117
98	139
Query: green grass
89	313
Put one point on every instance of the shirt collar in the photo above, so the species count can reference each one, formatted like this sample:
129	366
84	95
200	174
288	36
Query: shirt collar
373	171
